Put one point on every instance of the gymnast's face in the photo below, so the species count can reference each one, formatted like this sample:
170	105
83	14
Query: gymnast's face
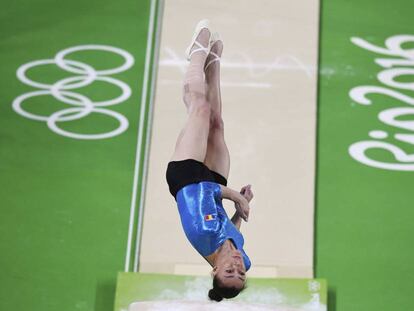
231	270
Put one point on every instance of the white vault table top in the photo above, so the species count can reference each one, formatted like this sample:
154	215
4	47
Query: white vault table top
269	81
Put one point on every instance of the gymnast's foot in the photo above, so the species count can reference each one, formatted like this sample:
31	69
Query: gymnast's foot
213	58
199	43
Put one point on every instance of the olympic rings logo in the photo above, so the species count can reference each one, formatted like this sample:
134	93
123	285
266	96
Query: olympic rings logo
81	106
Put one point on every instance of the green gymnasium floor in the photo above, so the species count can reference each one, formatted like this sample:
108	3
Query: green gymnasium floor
364	225
66	202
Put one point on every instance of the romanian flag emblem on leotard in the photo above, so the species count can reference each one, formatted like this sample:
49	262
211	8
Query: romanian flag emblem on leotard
209	217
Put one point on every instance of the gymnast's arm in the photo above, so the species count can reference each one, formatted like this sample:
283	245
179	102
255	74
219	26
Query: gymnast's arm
236	220
246	191
240	202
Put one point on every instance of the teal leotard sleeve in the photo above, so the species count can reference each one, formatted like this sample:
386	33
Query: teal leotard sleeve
205	221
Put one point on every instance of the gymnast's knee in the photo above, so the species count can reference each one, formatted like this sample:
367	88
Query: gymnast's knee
216	122
193	92
201	108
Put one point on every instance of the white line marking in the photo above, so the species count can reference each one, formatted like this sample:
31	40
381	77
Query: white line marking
258	85
140	134
256	69
147	139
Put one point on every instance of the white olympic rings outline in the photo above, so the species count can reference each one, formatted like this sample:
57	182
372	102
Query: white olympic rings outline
61	90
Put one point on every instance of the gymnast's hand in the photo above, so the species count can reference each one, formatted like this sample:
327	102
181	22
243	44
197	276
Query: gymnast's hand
240	202
242	206
246	191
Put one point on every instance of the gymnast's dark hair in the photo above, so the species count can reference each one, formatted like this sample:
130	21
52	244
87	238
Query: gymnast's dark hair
218	292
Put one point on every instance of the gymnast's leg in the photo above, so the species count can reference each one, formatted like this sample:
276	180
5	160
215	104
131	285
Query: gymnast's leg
217	157
192	141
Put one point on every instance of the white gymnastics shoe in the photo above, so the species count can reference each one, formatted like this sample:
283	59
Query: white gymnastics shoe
214	38
203	24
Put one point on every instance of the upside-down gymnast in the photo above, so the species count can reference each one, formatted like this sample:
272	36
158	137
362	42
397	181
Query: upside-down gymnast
199	168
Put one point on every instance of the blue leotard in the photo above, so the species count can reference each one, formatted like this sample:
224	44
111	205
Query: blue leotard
205	221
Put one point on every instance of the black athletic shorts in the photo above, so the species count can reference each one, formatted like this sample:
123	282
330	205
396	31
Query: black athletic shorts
185	172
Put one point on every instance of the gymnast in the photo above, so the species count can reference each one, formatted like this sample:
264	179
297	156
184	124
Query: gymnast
198	171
